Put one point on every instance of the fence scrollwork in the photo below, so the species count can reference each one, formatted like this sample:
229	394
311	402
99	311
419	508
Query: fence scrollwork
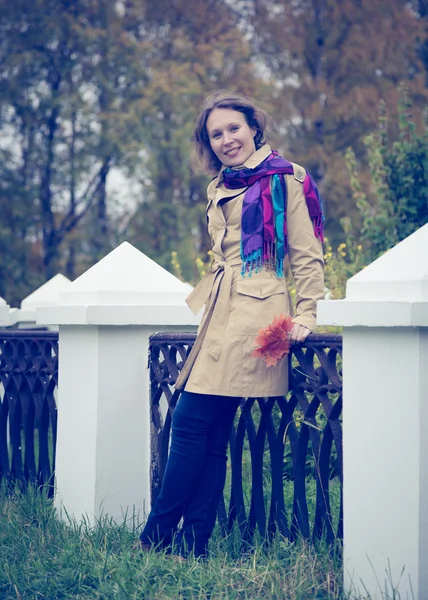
285	452
285	470
28	413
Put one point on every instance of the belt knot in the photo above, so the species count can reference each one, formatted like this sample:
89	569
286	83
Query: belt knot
218	265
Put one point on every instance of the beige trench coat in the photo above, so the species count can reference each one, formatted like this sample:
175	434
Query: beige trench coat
237	307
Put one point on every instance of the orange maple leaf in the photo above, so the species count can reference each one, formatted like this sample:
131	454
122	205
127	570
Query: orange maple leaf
272	341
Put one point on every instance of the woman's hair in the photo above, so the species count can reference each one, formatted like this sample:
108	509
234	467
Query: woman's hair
204	159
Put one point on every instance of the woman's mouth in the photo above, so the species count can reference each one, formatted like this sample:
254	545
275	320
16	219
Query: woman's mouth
232	152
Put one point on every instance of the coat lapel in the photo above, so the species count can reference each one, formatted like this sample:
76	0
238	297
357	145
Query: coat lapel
218	190
255	159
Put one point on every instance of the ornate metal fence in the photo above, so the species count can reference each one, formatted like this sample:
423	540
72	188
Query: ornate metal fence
286	452
28	414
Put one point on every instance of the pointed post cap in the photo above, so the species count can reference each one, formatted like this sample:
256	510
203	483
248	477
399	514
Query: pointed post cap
126	287
4	312
45	295
391	291
401	274
125	276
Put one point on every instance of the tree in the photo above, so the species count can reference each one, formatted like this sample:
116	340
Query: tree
332	62
399	182
187	61
87	87
396	204
420	7
68	94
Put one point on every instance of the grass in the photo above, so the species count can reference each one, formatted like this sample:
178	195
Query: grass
43	557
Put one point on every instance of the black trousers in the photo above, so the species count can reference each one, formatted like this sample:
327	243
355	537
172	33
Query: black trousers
195	474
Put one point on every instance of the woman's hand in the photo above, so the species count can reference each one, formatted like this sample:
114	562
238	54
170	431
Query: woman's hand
299	333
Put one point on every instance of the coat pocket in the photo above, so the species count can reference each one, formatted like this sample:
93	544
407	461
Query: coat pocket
255	304
260	288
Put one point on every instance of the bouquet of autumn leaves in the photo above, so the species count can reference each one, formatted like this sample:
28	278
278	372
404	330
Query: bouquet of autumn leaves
273	341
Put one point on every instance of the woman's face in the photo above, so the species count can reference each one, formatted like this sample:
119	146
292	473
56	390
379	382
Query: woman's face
231	138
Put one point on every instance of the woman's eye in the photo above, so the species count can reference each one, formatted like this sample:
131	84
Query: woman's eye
234	128
216	136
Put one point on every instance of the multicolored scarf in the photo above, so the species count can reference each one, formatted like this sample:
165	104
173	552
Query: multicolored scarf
264	212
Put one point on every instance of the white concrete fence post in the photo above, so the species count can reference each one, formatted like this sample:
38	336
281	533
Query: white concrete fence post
4	313
25	316
385	421
105	319
45	295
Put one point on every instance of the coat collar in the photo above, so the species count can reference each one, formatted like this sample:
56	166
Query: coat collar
251	163
221	191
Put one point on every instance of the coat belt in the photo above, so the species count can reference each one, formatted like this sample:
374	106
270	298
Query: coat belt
214	290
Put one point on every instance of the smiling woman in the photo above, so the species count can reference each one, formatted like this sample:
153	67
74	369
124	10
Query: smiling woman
261	209
237	108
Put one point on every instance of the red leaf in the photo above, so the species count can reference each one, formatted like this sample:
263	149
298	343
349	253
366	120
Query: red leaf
272	341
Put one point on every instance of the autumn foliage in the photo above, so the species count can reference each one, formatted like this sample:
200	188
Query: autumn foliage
98	101
273	341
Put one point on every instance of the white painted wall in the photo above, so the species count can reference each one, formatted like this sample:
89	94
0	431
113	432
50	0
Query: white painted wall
385	420
105	320
4	313
385	455
103	454
76	449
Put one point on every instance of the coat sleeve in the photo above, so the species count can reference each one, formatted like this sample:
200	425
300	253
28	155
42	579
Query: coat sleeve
305	255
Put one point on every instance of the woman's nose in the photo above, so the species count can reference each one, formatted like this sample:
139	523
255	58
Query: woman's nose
227	138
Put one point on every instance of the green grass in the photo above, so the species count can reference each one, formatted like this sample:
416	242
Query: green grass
43	557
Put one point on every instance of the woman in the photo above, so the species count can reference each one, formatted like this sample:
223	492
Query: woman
261	209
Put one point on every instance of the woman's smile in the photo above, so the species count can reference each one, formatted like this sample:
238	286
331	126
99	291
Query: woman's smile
232	152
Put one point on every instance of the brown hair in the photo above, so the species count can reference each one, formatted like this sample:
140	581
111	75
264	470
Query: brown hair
205	160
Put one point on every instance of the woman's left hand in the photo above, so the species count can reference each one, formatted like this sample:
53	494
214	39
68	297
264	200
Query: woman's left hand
299	333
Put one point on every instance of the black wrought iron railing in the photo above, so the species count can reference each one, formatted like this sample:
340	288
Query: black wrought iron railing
285	453
285	468
28	414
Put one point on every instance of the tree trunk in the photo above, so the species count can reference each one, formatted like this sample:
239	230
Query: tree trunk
50	243
70	268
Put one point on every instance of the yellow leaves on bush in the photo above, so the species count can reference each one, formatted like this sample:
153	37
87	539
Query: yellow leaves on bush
340	265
